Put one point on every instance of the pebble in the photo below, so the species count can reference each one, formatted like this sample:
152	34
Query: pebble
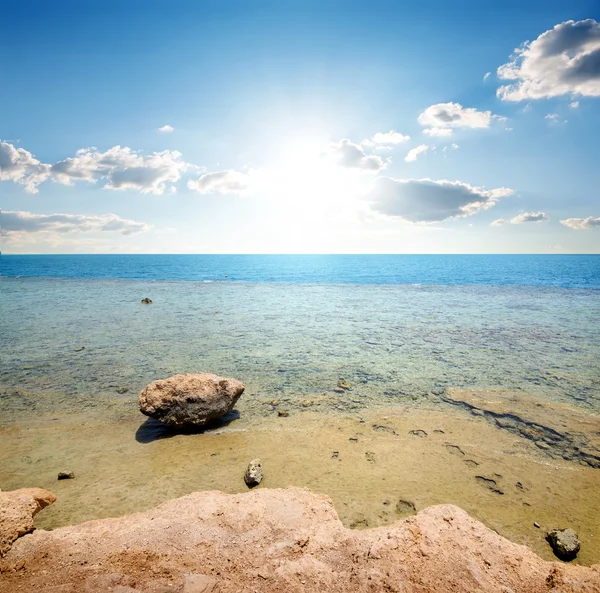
283	413
79	348
66	475
536	524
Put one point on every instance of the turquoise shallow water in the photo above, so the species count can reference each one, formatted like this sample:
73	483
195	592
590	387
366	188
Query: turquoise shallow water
293	342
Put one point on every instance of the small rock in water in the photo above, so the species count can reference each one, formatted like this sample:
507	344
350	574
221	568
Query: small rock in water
66	475
564	543
79	348
146	301
122	389
343	384
254	474
536	524
283	413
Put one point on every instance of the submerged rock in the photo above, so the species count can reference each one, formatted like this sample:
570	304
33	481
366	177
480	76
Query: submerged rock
564	543
66	476
146	301
79	348
192	399
254	474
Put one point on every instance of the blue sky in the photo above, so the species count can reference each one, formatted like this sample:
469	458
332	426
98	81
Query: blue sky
300	127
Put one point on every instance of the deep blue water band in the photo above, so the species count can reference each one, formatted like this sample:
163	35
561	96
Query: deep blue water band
566	271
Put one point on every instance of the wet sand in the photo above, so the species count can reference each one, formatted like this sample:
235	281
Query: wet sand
377	466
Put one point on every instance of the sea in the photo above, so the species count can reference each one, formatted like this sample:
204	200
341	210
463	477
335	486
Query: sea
406	332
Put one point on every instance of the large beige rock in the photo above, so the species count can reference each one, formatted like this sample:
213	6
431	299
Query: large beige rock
192	399
280	540
17	509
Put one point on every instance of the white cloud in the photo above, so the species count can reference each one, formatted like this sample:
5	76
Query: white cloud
445	116
351	155
529	217
574	104
122	168
414	153
391	137
522	218
438	131
551	116
425	200
486	75
563	60
581	224
26	222
20	166
166	129
221	182
452	146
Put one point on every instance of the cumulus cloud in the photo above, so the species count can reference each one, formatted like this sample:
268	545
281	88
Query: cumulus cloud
581	224
221	182
440	119
351	155
522	218
26	222
438	131
414	153
166	129
574	104
20	166
391	137
563	60
425	200
122	168
529	217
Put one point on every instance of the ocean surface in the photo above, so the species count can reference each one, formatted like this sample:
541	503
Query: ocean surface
407	333
565	271
397	327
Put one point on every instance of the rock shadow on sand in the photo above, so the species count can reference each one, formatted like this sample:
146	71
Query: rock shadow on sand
153	430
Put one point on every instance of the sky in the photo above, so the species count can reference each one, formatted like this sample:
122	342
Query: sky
300	127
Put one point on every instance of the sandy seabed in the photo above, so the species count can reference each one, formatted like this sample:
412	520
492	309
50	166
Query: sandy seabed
377	467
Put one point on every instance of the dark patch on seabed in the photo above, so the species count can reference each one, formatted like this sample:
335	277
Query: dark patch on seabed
571	446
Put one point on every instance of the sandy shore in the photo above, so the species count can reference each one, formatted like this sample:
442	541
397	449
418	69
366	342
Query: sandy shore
366	463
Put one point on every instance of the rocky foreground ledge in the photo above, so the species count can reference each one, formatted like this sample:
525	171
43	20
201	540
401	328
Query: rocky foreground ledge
268	540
